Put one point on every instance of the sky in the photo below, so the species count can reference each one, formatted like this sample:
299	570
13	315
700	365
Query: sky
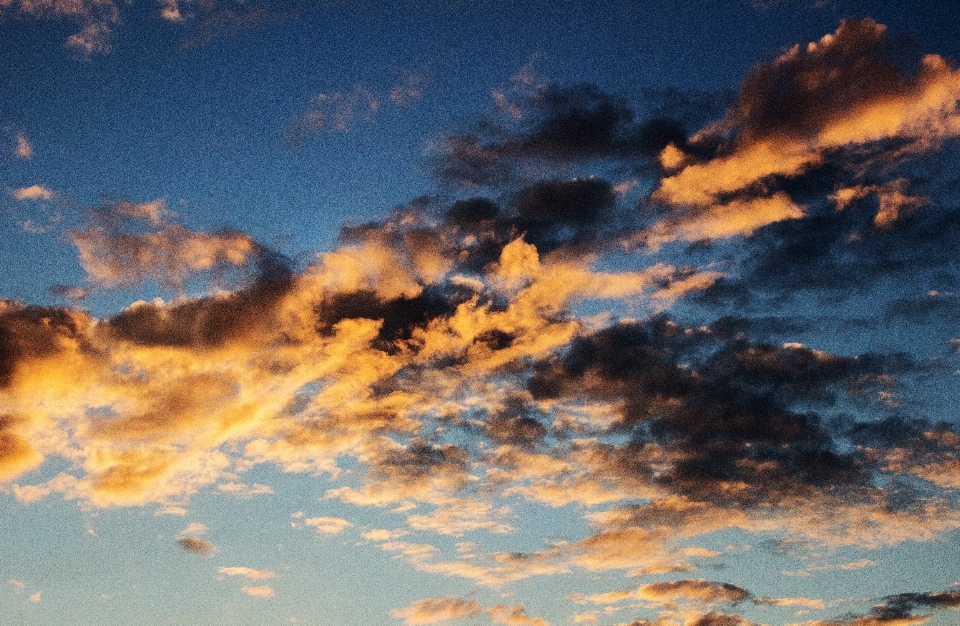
479	313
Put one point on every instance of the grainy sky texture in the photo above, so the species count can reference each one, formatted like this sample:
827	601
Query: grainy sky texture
479	313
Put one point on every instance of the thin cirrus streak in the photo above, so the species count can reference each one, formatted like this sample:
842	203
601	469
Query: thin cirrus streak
448	356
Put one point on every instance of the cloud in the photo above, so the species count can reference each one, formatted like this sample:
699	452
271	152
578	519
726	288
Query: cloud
472	357
338	111
437	610
245	491
334	112
34	192
128	243
201	547
216	20
23	149
188	540
697	590
97	19
253	574
716	452
170	10
16	584
794	117
260	591
514	615
328	525
409	91
898	610
559	124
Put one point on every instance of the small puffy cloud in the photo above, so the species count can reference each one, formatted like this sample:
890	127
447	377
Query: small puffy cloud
16	584
23	149
189	540
200	547
693	590
437	610
514	615
260	591
382	534
35	598
170	10
194	528
253	574
33	192
328	525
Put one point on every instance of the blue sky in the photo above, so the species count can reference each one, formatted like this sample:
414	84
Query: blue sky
527	313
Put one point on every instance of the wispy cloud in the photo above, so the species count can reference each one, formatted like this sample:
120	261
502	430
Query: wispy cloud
339	111
247	572
437	610
23	149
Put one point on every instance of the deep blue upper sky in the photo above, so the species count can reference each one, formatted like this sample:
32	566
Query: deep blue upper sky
196	112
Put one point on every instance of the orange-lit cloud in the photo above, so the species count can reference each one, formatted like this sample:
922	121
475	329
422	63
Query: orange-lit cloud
34	192
247	572
437	610
832	94
23	149
260	591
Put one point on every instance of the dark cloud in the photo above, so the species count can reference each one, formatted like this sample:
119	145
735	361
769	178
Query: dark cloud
31	332
833	252
560	125
399	316
200	547
721	619
806	89
420	461
934	307
516	425
900	609
727	410
210	321
903	604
